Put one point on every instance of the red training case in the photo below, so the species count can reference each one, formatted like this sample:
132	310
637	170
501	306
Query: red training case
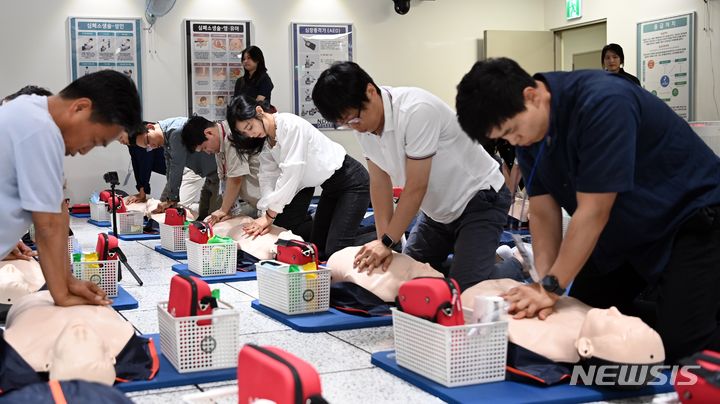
273	374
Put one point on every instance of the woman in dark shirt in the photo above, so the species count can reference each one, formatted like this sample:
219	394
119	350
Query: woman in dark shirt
613	59
255	83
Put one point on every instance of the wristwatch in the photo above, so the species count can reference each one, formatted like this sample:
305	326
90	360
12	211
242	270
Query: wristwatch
388	241
551	284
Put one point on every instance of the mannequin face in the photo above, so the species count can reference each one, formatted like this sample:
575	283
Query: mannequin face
611	62
609	335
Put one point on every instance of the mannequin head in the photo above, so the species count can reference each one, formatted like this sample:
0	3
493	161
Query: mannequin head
625	345
609	335
13	285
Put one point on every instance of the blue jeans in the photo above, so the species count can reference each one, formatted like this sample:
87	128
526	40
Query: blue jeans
344	200
472	238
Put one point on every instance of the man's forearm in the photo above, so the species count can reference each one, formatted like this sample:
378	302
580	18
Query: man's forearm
405	212
232	191
381	198
51	235
546	229
583	233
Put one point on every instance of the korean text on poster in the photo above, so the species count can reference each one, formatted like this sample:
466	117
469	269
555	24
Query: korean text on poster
315	48
213	53
665	61
107	43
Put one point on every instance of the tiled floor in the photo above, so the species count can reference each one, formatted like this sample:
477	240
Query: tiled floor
342	358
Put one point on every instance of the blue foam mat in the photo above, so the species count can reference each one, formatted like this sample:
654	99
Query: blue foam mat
180	255
331	320
182	269
80	215
124	300
509	392
105	223
136	237
168	376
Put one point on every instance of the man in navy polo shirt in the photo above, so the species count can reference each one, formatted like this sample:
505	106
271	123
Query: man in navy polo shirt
642	188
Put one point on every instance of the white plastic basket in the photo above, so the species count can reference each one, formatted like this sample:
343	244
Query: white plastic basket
292	292
452	356
191	347
102	273
211	259
172	238
99	212
70	249
129	222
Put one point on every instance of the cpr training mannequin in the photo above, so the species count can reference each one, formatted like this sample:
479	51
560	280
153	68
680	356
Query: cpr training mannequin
263	247
78	342
384	285
151	205
576	331
18	278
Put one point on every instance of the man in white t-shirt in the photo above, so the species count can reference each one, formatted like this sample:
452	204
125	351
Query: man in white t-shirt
238	175
412	139
37	133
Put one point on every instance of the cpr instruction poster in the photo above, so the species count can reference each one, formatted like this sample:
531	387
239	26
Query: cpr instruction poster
105	43
666	57
214	63
315	48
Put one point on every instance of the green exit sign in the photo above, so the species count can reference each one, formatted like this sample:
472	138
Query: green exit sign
573	9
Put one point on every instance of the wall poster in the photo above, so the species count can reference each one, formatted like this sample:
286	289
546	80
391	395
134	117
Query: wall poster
666	57
106	43
213	55
315	48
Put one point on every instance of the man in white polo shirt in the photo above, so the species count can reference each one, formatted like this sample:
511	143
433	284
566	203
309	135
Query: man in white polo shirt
412	139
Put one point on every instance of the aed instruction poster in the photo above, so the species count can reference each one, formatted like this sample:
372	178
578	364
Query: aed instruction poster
665	60
106	43
213	52
315	48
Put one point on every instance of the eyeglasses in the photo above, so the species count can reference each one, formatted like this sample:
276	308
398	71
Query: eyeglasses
350	122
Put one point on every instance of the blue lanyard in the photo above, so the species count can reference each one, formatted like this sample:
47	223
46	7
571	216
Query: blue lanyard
529	180
535	165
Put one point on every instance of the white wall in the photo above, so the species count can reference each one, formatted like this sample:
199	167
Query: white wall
431	47
622	17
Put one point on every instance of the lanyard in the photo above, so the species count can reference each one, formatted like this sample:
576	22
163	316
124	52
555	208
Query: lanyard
529	181
222	152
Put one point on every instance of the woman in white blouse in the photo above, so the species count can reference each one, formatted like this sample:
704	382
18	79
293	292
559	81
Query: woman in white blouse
295	155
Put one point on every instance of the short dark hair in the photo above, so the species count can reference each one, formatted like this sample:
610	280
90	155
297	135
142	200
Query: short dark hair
28	90
341	87
490	94
132	137
615	48
193	132
242	108
115	99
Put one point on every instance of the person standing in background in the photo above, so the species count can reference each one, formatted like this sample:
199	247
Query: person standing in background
255	83
613	59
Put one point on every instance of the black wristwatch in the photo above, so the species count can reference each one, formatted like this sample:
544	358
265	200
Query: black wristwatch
388	241
551	284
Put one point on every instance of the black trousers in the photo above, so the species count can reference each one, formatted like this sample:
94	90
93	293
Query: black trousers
295	215
344	200
686	306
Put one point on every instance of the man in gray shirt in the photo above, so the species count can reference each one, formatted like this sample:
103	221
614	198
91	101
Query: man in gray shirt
168	134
